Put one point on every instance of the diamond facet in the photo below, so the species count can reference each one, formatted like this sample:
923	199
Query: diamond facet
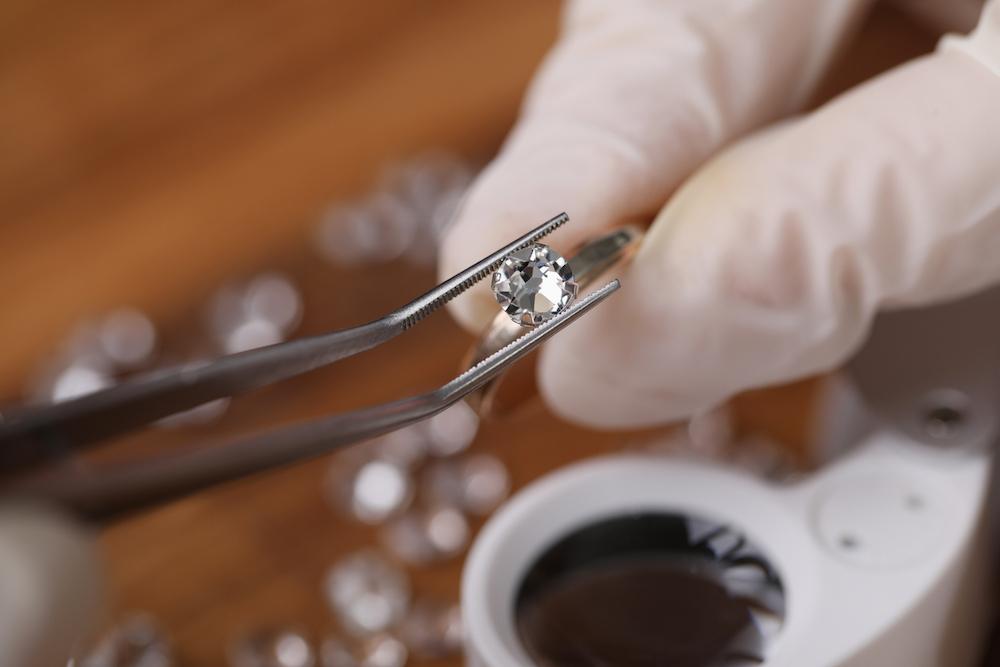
534	285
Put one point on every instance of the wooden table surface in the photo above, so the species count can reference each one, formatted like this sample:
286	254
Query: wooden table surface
151	151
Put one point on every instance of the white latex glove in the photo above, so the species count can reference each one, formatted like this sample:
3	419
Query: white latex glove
50	588
774	251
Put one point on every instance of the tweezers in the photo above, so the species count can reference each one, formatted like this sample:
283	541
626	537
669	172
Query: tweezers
38	445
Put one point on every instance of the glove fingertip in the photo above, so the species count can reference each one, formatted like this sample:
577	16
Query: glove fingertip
579	387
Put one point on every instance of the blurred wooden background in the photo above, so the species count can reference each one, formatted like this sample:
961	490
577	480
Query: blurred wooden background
151	151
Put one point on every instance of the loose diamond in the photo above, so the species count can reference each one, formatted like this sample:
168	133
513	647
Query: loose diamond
453	430
448	530
427	536
406	447
272	648
273	297
370	491
433	629
406	537
128	337
475	484
534	285
383	651
367	593
137	640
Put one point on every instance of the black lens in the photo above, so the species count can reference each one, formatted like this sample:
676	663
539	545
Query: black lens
663	590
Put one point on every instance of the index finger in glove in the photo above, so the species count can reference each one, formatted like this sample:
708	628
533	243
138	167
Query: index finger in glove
770	262
634	97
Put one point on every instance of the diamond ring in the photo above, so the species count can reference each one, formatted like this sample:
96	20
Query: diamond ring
532	286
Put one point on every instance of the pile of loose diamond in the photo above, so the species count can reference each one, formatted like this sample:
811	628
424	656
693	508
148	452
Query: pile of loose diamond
420	488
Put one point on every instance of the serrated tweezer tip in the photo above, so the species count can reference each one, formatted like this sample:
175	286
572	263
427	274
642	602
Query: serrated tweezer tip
462	281
507	355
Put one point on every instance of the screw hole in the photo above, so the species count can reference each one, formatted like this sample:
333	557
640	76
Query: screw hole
945	414
914	502
849	542
942	422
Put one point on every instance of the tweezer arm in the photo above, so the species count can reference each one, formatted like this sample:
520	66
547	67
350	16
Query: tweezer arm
103	493
37	434
34	435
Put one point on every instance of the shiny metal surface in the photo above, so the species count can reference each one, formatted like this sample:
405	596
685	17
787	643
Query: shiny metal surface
36	445
588	263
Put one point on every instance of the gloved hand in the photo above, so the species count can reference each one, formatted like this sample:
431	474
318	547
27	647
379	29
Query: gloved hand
778	242
50	588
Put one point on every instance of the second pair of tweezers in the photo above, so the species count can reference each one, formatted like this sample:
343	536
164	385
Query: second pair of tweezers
38	445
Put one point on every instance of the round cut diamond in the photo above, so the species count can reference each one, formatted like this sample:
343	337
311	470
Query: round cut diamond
534	285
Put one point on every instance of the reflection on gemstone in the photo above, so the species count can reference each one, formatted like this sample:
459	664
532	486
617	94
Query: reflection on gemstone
380	489
76	381
84	347
433	629
251	334
427	536
370	490
406	447
383	651
534	285
272	648
380	650
137	641
349	234
398	224
447	530
272	297
127	337
367	593
453	430
402	216
475	484
258	313
406	537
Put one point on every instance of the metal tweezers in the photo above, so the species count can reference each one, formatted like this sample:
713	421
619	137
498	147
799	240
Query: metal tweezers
37	445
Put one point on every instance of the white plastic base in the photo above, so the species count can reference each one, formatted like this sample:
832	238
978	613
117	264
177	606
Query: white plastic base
881	553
